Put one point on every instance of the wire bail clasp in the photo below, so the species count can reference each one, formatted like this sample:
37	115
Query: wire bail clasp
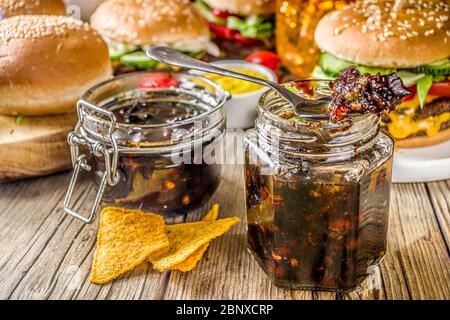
106	149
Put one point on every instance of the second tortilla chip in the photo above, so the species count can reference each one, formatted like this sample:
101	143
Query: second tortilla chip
212	214
186	238
193	259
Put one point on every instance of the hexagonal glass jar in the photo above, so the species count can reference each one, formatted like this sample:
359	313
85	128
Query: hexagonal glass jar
317	196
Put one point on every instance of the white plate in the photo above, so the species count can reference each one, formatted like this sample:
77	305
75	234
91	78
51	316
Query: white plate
422	164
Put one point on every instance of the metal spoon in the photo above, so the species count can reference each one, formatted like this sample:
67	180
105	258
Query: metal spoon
300	105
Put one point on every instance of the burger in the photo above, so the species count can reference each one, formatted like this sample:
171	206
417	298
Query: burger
240	27
414	42
47	63
130	27
10	8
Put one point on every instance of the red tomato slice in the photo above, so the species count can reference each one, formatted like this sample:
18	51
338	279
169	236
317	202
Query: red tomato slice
247	41
221	14
223	32
413	91
440	89
266	58
158	80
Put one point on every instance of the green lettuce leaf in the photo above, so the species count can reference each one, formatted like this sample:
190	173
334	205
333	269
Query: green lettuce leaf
138	60
20	119
332	65
439	68
409	78
318	73
255	27
423	87
203	8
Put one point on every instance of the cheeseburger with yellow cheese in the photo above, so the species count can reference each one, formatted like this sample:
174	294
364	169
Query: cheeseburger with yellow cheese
413	41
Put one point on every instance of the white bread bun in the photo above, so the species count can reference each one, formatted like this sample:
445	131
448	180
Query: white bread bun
10	8
368	33
47	64
244	7
147	22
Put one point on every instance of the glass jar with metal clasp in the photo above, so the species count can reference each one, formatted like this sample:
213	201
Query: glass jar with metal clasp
143	136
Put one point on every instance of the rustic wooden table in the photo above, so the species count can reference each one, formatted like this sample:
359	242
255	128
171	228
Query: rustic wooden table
47	255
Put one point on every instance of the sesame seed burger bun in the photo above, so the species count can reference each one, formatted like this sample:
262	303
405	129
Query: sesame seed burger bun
244	7
347	34
147	22
10	8
47	63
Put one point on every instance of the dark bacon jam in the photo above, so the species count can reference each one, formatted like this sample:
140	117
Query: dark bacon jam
153	182
309	235
317	200
141	113
363	93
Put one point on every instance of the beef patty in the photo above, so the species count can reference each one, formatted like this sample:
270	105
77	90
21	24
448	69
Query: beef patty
236	50
434	108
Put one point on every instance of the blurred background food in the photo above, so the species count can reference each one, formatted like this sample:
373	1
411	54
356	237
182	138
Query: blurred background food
48	63
45	75
241	107
296	22
413	41
131	26
240	27
82	8
10	8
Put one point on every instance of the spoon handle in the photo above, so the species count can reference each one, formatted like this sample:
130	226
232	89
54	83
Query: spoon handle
175	58
172	57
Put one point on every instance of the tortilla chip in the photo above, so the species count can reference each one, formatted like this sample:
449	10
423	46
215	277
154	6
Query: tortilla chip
212	214
187	238
125	239
193	259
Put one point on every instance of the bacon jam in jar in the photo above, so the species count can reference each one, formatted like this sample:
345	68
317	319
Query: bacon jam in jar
145	137
317	194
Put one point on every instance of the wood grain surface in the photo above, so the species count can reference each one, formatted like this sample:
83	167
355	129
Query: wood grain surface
35	146
47	255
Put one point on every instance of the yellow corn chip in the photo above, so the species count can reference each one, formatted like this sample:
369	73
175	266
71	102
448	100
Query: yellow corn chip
125	239
212	214
187	238
193	259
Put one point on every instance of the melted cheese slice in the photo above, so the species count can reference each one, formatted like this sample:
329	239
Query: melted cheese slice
403	124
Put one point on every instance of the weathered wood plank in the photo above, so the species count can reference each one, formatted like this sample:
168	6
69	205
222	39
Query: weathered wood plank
48	255
440	197
417	262
27	225
45	270
55	253
372	289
